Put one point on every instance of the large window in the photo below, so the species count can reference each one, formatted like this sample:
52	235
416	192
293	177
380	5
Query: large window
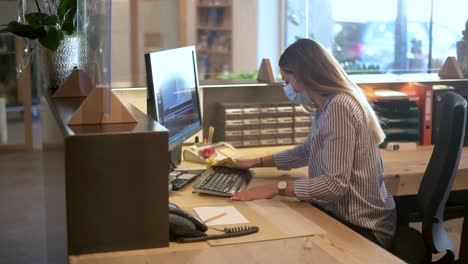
386	36
366	36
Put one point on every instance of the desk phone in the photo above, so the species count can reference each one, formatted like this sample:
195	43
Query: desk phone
185	227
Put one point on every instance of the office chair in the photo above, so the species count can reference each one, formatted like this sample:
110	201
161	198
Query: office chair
457	207
457	203
428	205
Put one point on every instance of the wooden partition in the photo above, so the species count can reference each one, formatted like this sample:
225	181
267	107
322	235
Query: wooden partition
115	184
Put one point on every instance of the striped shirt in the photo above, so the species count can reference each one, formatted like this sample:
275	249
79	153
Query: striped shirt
345	168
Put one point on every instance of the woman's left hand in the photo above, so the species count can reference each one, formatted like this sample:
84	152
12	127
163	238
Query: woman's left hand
256	193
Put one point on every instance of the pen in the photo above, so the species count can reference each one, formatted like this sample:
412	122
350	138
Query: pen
209	219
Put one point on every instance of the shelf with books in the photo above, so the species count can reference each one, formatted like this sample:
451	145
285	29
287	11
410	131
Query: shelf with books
214	37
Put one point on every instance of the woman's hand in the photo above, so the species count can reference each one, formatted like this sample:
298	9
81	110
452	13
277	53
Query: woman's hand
242	164
256	193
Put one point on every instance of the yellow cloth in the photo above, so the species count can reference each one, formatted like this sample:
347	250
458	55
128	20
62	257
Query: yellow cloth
211	162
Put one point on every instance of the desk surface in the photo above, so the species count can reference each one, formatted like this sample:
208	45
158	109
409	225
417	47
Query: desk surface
403	170
339	245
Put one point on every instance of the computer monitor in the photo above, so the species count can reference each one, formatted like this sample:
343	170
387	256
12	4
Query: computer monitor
173	97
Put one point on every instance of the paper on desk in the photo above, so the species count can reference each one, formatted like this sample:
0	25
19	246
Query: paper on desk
232	216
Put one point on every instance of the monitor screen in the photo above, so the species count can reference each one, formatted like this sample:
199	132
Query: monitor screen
173	98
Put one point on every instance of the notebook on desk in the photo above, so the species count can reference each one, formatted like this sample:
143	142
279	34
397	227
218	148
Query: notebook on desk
223	181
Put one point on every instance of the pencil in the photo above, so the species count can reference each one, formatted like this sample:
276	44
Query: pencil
209	219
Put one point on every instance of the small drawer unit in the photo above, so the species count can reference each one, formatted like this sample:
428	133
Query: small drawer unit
262	124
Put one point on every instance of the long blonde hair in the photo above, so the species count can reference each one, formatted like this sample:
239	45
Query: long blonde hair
311	64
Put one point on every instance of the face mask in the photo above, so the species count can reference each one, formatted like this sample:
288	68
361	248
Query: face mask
298	98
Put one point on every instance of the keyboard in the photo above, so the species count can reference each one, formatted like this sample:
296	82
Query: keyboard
223	181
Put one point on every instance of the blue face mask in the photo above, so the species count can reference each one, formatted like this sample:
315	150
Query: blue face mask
298	98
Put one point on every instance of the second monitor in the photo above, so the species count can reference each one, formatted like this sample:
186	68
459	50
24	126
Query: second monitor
173	95
174	101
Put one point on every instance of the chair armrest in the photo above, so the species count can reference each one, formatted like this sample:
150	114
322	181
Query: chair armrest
458	197
407	209
457	205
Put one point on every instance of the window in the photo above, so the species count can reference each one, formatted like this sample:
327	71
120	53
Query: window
368	36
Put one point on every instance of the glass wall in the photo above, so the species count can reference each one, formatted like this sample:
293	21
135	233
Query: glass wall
14	95
140	27
365	36
387	36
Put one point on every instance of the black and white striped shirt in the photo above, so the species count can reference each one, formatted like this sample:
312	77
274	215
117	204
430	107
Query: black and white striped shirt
345	168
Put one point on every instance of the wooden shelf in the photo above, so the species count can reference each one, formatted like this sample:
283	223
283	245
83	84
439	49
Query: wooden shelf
214	5
214	37
214	28
214	51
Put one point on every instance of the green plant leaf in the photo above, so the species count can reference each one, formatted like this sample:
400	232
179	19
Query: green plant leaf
52	38
40	19
61	35
68	24
64	7
23	30
66	11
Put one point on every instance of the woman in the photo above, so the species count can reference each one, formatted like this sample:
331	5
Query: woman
344	162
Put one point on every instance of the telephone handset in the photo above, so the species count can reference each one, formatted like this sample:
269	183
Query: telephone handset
183	224
184	227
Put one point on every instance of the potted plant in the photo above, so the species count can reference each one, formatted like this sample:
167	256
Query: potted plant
462	51
52	24
47	27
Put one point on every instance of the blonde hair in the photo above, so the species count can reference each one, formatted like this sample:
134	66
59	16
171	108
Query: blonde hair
311	64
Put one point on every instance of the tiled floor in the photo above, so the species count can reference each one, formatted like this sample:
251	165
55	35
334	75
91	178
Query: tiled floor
22	221
22	204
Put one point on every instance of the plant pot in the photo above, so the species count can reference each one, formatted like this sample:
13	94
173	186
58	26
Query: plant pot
462	56
57	66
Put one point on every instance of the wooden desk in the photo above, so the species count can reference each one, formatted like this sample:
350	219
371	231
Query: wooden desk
403	170
339	245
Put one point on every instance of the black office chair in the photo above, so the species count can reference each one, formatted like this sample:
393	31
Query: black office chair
428	205
457	207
